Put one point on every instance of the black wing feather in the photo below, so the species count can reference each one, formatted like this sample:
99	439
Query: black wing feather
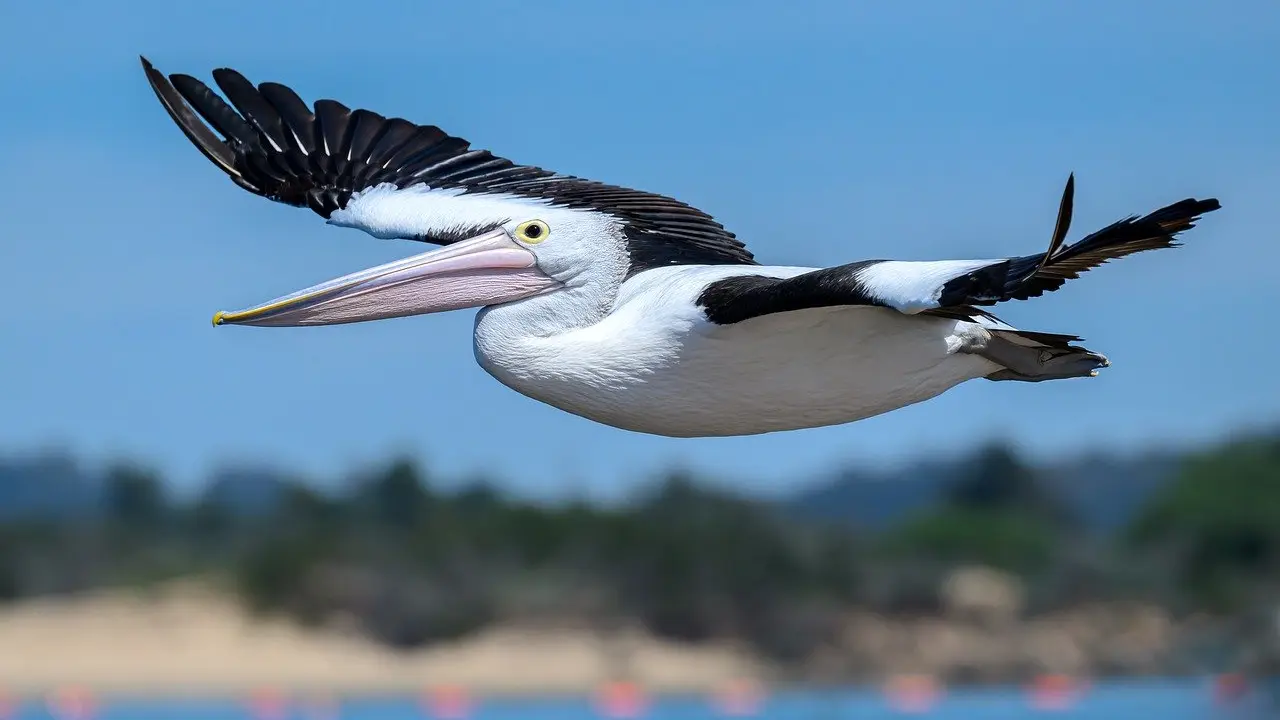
273	145
196	131
1022	278
294	113
735	299
742	297
214	109
251	105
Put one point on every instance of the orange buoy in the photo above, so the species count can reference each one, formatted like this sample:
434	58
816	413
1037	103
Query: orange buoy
447	702
72	703
1054	691
268	703
621	699
1230	688
912	693
740	697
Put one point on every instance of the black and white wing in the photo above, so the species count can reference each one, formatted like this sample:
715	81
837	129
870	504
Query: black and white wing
272	144
953	288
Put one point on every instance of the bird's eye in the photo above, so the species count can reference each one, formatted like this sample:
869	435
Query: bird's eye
533	232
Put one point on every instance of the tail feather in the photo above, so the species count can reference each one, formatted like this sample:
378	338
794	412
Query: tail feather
1034	357
1033	275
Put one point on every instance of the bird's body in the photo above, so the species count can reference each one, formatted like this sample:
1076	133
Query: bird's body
656	364
625	307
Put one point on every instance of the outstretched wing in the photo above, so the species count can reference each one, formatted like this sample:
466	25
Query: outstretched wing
270	143
952	288
1031	276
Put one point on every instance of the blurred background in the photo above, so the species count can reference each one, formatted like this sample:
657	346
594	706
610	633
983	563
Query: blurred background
320	522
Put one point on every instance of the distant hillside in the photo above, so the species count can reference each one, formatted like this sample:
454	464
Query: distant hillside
245	491
1106	492
47	486
872	500
1101	492
55	486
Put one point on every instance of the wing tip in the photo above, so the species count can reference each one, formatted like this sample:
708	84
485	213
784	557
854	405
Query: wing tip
1207	205
154	76
222	75
1062	224
196	131
1183	215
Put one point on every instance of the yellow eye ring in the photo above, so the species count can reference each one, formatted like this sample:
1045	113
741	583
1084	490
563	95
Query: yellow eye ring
532	232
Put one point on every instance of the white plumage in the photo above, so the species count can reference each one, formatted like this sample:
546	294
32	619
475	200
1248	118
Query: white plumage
655	364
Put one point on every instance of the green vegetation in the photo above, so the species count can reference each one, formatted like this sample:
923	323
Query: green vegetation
1220	520
414	564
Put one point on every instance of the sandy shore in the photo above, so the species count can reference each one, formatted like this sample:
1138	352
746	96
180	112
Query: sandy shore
191	640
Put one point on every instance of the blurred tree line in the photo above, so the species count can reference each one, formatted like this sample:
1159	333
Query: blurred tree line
409	563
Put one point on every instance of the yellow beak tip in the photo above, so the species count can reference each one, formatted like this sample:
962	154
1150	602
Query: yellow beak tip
219	317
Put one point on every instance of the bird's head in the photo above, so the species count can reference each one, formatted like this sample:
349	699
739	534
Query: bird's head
496	250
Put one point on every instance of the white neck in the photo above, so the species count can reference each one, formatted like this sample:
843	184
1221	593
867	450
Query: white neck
549	314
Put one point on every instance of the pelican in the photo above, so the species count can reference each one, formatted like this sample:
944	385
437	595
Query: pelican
626	307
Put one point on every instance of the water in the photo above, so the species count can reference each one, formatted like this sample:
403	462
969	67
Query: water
1158	700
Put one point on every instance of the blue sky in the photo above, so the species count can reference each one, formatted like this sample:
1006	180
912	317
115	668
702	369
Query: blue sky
820	132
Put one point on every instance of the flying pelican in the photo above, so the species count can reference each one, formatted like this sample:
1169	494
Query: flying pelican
625	307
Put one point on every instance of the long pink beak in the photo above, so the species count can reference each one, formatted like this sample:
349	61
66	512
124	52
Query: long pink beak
488	269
